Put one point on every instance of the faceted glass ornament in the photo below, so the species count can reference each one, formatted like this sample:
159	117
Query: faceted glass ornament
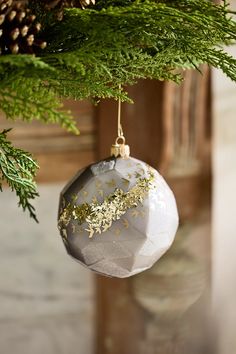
117	217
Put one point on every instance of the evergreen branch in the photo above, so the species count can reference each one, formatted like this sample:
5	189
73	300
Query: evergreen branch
28	99
18	169
136	39
24	91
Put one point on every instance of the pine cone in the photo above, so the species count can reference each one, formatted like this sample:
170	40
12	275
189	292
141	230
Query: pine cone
60	5
18	28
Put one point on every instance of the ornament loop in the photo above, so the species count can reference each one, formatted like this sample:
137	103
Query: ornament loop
121	137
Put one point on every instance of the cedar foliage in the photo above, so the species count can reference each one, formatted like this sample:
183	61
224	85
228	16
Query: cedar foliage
91	52
18	169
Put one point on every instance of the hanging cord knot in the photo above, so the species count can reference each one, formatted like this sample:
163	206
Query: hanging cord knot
119	148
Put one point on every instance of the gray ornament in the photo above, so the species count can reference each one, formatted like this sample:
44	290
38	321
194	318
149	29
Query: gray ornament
117	217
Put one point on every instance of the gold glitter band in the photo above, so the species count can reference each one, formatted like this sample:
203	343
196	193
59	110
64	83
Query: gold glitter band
100	216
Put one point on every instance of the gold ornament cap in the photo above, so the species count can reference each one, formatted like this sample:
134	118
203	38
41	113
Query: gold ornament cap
120	149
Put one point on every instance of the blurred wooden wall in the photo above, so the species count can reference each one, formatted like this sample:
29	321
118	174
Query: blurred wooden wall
58	153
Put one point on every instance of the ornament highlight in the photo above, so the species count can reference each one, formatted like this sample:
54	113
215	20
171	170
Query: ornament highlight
118	216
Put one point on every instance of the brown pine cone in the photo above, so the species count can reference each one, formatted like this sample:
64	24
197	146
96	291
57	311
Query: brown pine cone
18	28
60	5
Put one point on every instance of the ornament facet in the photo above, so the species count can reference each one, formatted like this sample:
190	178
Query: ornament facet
117	217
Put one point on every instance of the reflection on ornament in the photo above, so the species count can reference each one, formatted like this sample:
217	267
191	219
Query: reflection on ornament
117	216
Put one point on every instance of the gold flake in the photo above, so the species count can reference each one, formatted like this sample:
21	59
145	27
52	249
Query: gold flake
100	217
129	175
141	170
74	198
142	213
100	192
85	193
64	233
125	223
106	226
91	231
135	213
125	182
117	231
137	175
94	200
98	184
111	183
73	228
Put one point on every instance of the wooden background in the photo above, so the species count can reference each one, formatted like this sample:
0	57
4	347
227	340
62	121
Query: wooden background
58	153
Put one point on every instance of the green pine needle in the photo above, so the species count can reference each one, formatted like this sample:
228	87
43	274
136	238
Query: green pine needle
24	92
18	169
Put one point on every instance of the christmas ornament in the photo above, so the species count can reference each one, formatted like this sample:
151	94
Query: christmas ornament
18	28
117	216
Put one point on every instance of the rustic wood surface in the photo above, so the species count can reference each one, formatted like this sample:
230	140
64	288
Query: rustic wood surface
58	153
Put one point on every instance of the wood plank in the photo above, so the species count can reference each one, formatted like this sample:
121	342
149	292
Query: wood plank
57	144
85	124
83	113
59	153
62	166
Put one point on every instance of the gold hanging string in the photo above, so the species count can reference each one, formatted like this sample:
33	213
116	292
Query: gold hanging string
119	127
120	148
